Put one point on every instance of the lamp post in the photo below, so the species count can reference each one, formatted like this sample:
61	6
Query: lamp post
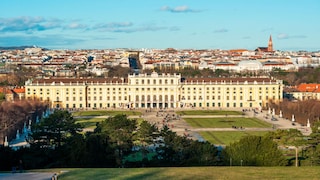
241	162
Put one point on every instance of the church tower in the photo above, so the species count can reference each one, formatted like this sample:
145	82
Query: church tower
270	45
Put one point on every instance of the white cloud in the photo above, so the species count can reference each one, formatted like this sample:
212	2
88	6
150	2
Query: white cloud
286	36
283	36
75	25
28	24
178	9
222	30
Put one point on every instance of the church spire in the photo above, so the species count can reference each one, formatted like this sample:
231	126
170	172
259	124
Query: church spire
270	45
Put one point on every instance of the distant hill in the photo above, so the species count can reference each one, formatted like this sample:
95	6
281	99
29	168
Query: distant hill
19	47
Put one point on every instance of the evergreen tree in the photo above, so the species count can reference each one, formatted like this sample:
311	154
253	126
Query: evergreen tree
54	130
254	151
120	131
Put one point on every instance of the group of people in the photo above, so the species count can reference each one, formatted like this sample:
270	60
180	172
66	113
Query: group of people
235	127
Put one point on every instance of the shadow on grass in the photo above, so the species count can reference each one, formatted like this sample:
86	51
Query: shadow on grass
153	174
114	173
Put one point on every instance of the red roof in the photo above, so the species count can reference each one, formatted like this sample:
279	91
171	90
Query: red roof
309	87
5	90
19	90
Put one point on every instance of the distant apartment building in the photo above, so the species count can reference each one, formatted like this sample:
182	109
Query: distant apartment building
304	92
155	91
13	94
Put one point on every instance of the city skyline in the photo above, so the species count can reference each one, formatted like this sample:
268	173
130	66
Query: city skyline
187	24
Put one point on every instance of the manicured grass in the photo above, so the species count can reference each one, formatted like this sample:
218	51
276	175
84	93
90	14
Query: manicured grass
227	137
226	122
209	112
193	173
105	113
89	122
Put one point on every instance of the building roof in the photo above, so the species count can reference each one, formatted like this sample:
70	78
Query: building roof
218	79
79	80
224	63
5	90
19	90
308	87
248	63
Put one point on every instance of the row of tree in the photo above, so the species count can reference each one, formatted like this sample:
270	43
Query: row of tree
13	115
303	75
57	141
302	110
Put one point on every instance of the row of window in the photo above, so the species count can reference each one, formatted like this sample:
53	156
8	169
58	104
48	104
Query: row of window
108	105
160	89
93	105
219	88
220	97
155	81
155	98
219	92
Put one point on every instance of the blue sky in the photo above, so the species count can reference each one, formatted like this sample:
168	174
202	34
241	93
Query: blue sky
181	24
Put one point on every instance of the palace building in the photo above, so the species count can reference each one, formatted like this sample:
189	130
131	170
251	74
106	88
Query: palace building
155	91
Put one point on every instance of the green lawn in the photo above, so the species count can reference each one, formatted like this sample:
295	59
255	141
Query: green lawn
89	122
105	113
193	173
209	112
227	137
226	122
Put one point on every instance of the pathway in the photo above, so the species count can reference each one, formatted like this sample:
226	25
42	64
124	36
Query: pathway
26	176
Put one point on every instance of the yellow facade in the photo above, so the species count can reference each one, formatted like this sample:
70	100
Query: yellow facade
305	95
156	91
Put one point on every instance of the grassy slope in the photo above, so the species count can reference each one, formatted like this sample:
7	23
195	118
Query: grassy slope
195	173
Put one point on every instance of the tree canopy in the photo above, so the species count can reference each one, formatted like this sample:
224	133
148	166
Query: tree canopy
54	130
254	151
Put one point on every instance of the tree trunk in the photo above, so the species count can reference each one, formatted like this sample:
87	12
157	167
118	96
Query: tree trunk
296	156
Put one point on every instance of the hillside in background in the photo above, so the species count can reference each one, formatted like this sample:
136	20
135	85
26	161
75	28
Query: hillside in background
18	47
